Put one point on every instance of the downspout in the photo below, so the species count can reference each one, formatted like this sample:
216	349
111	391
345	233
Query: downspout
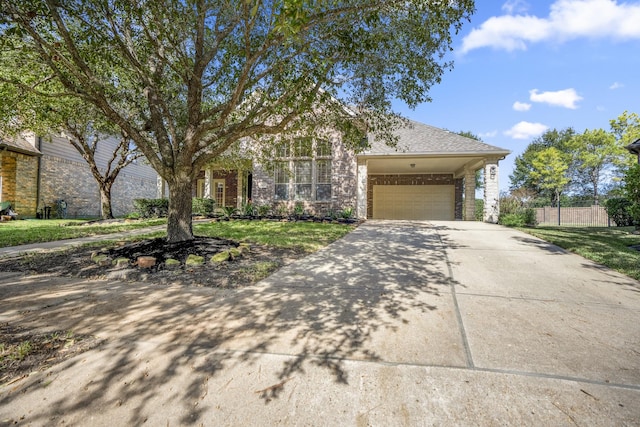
38	179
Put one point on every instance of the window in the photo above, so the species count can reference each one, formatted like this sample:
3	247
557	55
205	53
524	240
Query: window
323	149
282	181
323	180
299	175
302	177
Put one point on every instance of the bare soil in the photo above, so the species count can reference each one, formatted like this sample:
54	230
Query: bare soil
23	351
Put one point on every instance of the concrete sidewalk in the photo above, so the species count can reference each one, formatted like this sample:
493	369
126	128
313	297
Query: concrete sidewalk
398	323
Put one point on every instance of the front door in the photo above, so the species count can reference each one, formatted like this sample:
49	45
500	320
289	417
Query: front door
218	192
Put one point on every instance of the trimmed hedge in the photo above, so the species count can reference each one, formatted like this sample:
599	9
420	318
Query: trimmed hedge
159	208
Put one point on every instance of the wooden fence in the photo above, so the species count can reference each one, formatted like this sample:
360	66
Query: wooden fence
588	216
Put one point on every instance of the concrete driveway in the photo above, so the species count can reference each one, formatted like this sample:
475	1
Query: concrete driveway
398	323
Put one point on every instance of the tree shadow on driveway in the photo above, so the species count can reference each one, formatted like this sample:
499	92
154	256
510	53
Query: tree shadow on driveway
362	298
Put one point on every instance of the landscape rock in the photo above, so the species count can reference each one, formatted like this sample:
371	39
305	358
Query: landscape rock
146	261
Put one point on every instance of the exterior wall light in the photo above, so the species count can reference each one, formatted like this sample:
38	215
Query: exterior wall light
492	172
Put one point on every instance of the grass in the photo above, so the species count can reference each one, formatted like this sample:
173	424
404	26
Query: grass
307	236
13	233
606	246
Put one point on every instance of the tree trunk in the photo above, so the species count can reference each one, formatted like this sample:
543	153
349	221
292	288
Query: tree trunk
179	224
105	201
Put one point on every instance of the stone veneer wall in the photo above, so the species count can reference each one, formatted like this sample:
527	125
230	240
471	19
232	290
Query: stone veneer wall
73	182
459	209
19	181
343	184
415	179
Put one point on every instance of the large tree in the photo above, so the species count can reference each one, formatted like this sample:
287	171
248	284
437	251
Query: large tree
186	80
594	153
522	177
549	169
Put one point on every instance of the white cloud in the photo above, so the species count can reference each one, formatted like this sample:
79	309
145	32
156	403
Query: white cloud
521	106
488	134
515	6
568	19
616	85
566	98
526	130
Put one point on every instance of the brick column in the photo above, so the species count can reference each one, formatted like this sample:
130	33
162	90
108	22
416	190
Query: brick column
491	191
361	200
469	194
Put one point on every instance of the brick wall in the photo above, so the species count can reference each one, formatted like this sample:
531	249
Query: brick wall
73	182
19	181
414	179
343	183
230	186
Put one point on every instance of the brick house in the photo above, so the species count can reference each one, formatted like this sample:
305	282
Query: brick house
36	172
429	175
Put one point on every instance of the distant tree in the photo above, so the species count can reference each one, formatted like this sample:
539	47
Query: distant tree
549	170
188	80
521	177
594	153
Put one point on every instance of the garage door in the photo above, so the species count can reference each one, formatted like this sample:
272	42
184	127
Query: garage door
414	202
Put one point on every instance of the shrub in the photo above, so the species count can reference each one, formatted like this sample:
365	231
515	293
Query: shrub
263	210
513	212
346	213
618	211
479	210
631	191
248	209
512	220
298	210
151	208
203	206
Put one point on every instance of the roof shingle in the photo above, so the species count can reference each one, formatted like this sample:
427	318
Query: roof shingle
419	138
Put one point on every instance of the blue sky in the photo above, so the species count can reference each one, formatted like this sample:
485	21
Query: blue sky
522	67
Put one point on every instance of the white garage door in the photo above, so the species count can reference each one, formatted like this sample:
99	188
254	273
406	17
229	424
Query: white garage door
414	202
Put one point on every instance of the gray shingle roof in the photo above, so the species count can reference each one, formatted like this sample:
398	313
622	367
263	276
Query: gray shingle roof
418	138
19	145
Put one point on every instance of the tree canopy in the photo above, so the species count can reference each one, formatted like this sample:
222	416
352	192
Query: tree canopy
36	108
186	80
594	161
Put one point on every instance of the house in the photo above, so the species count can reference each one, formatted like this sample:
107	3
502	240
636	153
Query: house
429	175
36	172
19	165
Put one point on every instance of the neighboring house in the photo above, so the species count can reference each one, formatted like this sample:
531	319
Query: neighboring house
19	161
429	175
37	172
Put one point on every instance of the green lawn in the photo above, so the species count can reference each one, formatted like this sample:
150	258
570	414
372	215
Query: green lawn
22	232
606	246
307	236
